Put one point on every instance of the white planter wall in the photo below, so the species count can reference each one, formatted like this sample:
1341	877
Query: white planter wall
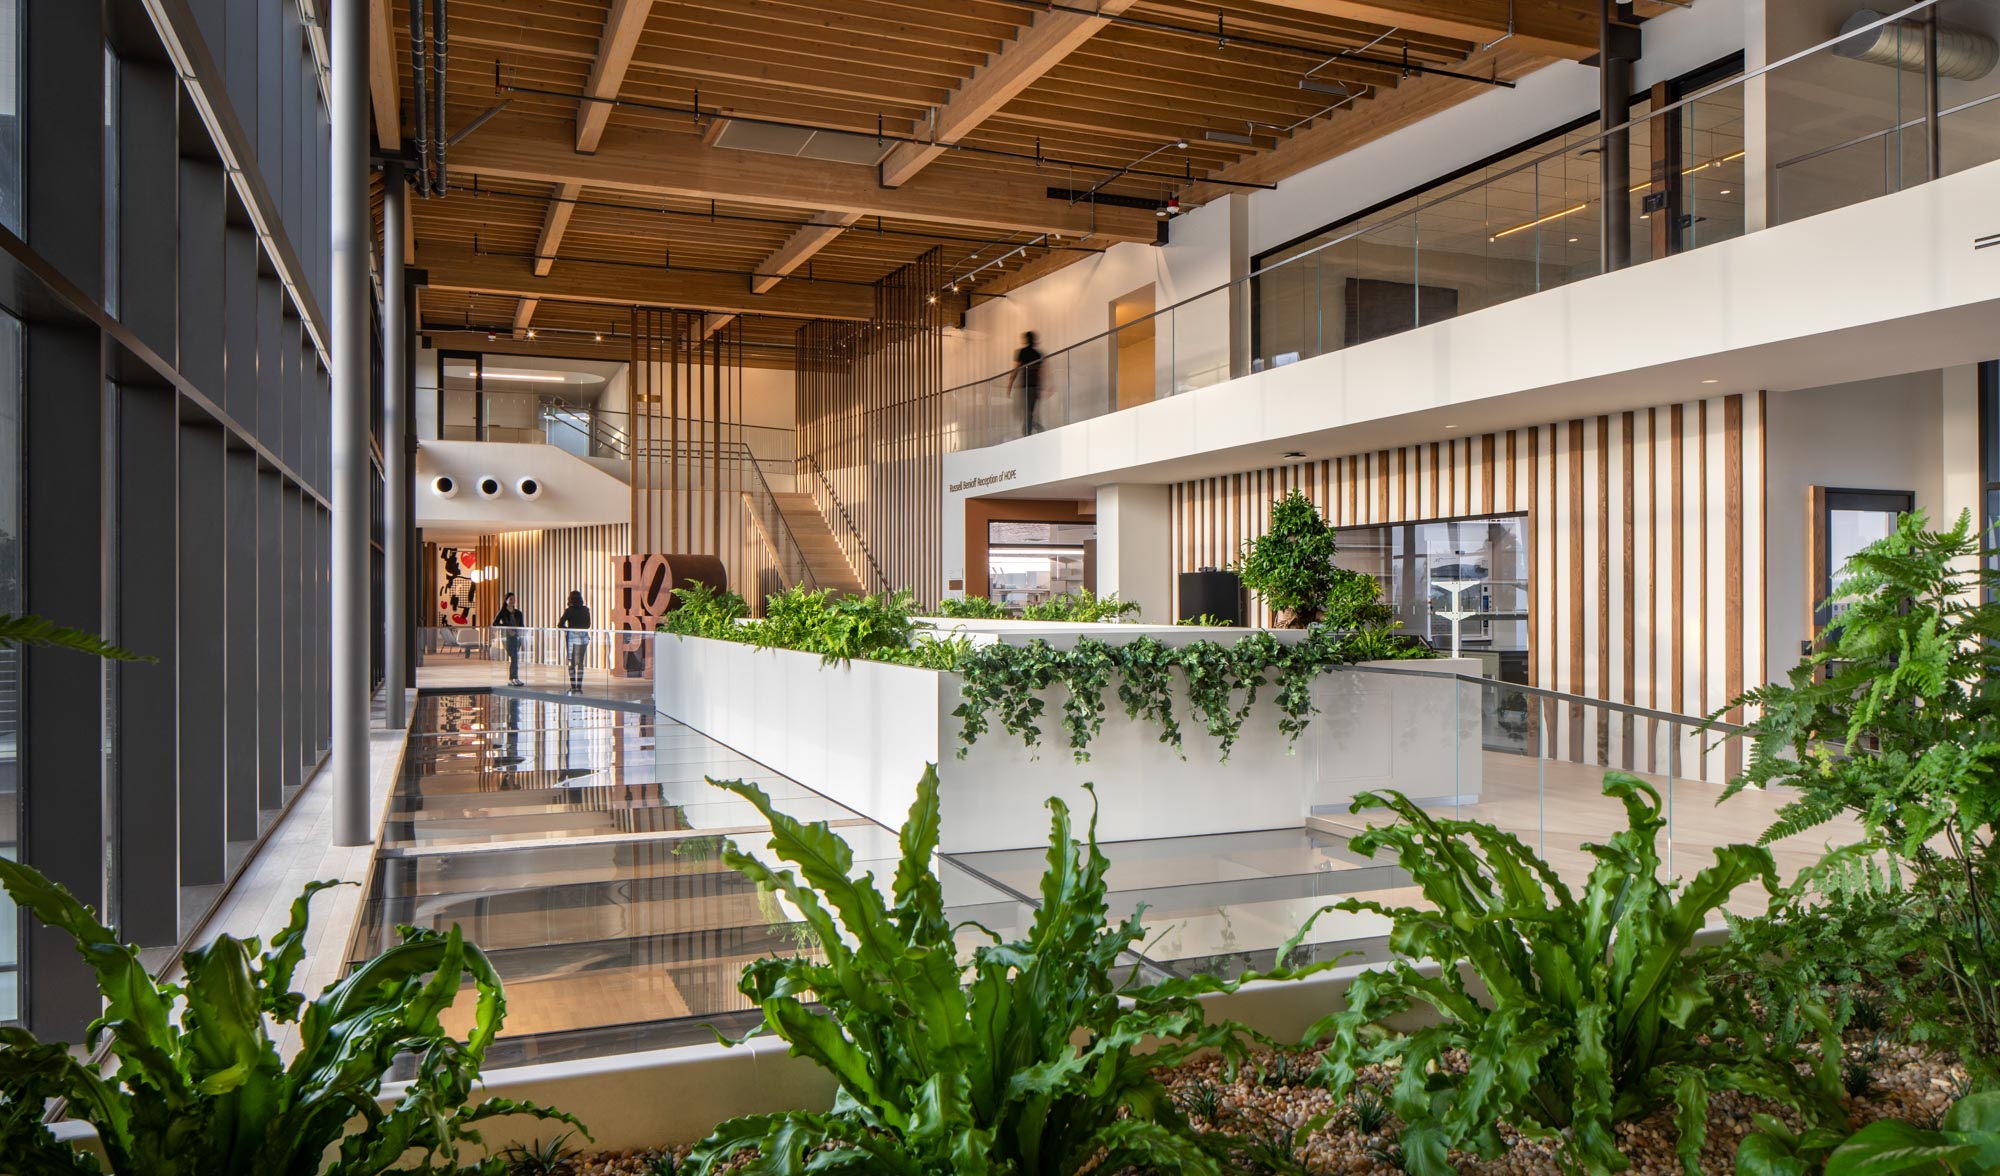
861	734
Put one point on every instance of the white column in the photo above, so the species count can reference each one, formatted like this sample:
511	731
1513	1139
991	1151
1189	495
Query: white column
348	312
1135	548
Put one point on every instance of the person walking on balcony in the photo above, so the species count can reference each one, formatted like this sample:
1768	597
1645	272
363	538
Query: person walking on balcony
576	618
512	626
1028	371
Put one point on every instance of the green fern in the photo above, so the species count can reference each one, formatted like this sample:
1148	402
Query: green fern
35	631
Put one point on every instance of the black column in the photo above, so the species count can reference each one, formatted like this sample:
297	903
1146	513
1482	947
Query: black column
1618	48
62	696
240	643
146	559
271	774
204	857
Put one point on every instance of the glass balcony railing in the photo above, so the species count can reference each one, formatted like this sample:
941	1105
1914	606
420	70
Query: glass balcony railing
1841	122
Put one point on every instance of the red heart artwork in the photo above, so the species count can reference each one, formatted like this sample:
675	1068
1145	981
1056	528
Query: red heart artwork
467	559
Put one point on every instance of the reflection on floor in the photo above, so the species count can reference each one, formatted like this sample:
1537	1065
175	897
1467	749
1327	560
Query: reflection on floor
580	846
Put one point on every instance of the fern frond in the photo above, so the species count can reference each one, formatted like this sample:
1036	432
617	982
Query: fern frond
33	630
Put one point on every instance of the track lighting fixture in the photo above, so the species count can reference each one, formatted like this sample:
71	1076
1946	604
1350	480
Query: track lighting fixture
1333	89
531	332
1240	140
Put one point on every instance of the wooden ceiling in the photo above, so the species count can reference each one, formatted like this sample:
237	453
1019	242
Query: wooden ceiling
598	184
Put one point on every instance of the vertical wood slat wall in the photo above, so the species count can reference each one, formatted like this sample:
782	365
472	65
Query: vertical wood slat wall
541	568
1645	541
689	458
870	419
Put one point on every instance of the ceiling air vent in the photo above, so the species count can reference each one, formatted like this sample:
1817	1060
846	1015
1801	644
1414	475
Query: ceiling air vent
802	142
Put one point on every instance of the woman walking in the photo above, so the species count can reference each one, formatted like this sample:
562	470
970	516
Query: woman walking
576	618
511	624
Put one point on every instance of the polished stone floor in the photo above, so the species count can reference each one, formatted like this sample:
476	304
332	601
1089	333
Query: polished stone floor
580	846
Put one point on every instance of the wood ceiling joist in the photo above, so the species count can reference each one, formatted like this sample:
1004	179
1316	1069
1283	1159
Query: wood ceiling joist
625	285
1039	48
679	165
1548	28
383	91
615	48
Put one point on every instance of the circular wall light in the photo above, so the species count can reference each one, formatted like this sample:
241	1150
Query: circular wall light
444	486
488	486
528	488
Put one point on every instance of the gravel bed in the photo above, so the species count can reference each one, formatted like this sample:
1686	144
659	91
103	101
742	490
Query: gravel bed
1909	1084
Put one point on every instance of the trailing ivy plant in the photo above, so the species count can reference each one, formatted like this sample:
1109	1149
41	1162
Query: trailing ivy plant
1025	1059
1291	565
1593	1008
196	1087
1004	683
1894	718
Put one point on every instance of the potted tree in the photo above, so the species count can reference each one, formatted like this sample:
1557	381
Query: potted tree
1291	565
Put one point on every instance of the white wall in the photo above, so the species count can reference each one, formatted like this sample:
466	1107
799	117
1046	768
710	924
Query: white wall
424	403
1916	432
1074	303
574	492
769	402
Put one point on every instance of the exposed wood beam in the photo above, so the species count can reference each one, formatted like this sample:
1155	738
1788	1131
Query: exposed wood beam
624	285
1550	28
383	92
816	235
1391	111
622	26
1052	37
524	314
555	222
663	163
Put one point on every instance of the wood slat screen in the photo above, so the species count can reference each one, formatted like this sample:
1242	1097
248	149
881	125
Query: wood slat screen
871	430
1645	530
692	471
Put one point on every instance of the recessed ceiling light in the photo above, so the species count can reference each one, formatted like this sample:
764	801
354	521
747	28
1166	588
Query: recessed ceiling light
1451	426
1574	240
1709	381
1727	191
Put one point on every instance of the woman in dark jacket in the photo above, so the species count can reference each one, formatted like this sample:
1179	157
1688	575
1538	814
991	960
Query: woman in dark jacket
510	622
576	618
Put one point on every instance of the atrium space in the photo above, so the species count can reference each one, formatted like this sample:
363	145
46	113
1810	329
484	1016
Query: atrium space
999	587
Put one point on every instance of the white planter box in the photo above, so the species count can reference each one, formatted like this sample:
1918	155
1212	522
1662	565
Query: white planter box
861	734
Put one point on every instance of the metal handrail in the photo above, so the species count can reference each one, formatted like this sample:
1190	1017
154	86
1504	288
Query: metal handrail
881	577
1455	193
1560	696
769	495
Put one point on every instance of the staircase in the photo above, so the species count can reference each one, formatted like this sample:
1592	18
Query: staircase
823	556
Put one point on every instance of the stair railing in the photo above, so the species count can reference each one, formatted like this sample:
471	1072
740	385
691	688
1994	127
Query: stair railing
762	504
826	487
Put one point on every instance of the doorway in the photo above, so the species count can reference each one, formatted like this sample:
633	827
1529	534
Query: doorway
1133	337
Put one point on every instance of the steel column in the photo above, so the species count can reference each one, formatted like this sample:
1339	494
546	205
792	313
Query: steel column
1614	161
395	449
350	320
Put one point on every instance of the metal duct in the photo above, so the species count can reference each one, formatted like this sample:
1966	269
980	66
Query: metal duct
419	56
1964	54
438	44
